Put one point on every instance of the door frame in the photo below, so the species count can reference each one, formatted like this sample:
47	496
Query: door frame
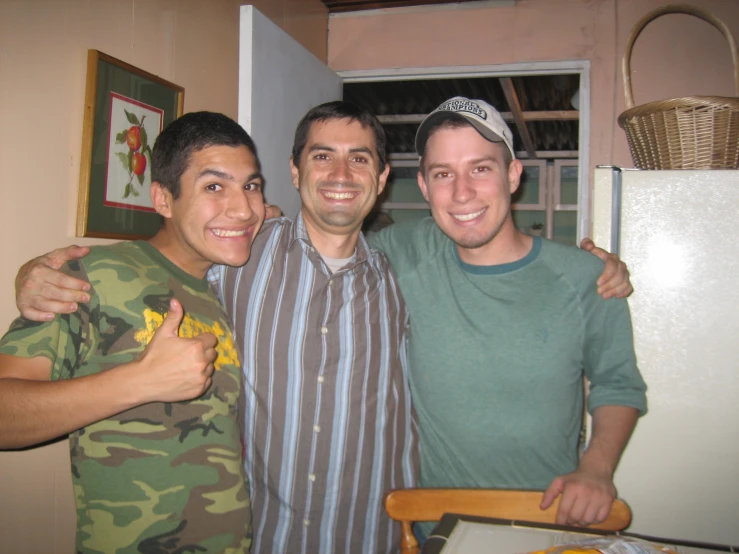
579	67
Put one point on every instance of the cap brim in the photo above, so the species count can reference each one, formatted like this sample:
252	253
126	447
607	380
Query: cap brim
422	134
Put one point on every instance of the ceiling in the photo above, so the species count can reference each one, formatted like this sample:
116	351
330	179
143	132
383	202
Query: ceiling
537	108
338	6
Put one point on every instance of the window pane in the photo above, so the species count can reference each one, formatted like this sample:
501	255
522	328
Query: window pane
403	172
568	185
565	228
404	186
532	222
528	192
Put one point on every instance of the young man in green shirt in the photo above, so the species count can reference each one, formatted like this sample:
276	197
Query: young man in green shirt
504	327
145	378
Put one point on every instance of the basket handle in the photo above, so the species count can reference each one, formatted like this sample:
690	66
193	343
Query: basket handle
677	8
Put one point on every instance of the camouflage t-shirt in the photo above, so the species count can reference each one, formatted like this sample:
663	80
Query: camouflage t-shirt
162	477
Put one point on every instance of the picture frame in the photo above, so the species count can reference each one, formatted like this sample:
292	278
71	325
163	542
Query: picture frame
125	110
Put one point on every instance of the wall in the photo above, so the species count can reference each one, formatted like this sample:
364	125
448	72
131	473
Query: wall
676	55
43	53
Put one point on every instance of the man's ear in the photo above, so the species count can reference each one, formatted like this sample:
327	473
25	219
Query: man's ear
295	173
162	200
515	170
382	181
422	184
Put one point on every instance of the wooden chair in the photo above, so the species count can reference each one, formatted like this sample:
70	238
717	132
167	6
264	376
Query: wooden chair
409	505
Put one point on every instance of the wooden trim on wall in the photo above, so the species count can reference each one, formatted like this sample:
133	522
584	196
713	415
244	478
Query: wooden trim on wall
339	6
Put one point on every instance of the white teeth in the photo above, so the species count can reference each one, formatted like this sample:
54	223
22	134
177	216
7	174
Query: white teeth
225	233
340	195
468	217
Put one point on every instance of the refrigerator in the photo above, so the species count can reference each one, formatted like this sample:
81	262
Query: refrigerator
678	232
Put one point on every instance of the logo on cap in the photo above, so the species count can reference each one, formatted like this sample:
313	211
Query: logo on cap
463	106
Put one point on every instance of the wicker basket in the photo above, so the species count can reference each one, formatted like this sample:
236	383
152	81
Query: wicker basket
695	132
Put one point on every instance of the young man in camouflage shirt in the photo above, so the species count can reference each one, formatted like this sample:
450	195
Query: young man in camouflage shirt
152	405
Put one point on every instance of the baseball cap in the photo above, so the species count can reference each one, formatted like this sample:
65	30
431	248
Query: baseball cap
483	117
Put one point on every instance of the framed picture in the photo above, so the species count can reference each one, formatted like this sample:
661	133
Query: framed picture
125	110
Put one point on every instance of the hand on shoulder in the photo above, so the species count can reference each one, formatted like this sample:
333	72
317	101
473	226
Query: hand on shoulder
614	281
42	290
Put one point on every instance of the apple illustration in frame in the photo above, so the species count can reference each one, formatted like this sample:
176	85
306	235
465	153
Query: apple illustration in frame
133	129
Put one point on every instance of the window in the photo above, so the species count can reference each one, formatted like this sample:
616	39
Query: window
546	203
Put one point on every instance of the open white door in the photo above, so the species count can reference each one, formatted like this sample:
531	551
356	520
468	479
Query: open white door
279	81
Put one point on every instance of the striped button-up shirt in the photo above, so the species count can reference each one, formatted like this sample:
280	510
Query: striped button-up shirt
329	426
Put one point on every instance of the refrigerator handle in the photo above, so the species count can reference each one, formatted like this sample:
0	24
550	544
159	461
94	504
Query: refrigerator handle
616	211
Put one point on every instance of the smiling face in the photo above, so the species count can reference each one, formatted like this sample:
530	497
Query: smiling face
339	177
218	212
468	185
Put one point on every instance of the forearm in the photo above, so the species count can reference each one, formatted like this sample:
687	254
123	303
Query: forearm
612	428
32	412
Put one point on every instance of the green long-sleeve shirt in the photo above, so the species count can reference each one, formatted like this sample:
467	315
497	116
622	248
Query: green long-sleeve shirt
497	357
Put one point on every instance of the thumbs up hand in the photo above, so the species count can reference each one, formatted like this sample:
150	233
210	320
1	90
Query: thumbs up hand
171	368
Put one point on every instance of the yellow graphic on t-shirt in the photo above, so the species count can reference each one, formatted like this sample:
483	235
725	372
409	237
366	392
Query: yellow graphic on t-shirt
190	328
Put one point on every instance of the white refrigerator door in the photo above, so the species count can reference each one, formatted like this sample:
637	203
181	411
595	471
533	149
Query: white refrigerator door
680	472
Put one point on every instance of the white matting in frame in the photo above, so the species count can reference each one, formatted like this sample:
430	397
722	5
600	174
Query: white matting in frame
134	126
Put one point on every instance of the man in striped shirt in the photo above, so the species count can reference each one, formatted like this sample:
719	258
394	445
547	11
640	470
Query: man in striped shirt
319	316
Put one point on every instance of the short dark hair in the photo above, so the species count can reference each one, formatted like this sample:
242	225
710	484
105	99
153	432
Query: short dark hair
454	121
340	110
189	134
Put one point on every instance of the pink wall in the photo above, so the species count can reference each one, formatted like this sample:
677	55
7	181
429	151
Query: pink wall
676	55
43	54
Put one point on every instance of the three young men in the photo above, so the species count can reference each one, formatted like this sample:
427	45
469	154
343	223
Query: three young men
322	328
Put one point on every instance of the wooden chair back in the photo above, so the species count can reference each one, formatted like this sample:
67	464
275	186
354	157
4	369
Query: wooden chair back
410	505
